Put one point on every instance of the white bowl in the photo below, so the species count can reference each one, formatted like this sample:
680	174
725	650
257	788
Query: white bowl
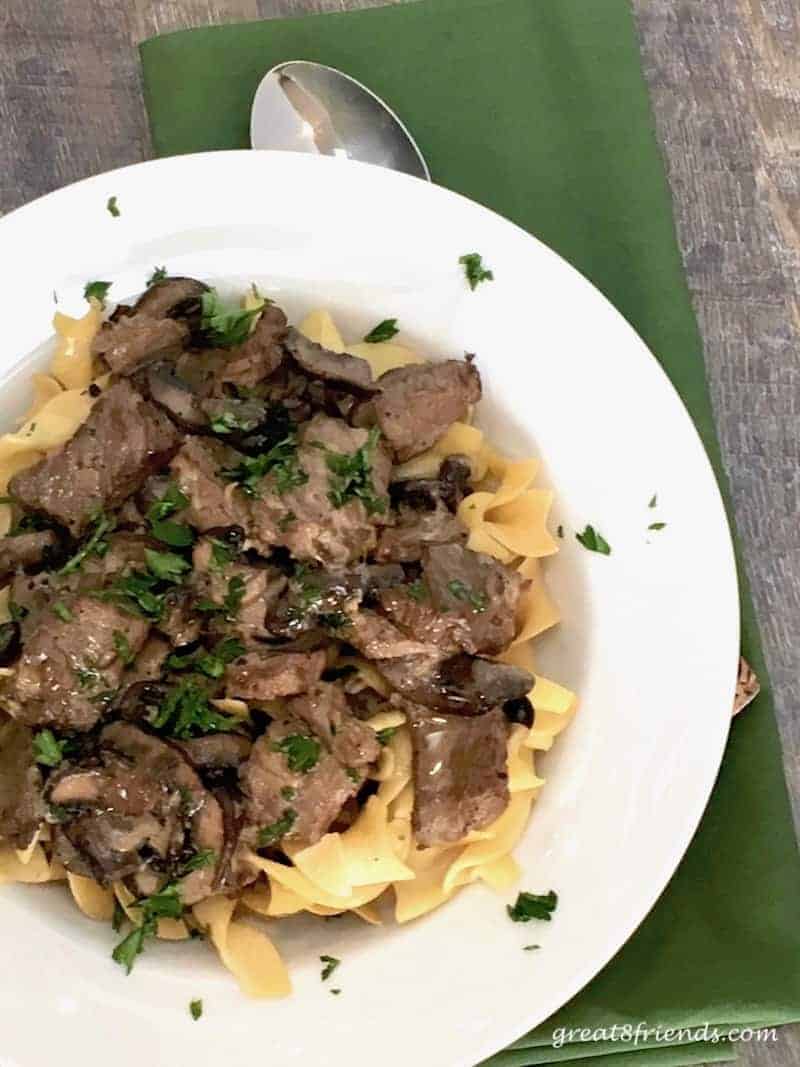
649	638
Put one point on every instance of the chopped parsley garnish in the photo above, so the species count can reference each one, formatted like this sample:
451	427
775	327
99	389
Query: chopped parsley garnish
166	904
158	275
532	906
47	750
288	792
221	555
95	545
278	829
62	611
530	948
354	776
96	291
285	521
88	677
350	476
205	857
118	918
234	596
383	737
475	270
168	566
136	593
213	663
230	420
477	601
225	325
174	534
196	1009
185	712
656	526
418	590
331	963
280	461
594	541
335	992
560	532
122	647
112	207
384	331
653	500
16	611
302	752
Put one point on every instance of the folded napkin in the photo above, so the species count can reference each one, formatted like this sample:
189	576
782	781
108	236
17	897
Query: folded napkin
538	109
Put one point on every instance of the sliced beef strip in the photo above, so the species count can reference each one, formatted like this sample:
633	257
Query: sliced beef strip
137	810
216	751
22	807
174	298
175	395
123	441
179	620
301	804
212	501
136	340
478	589
460	773
406	541
460	684
25	550
261	354
321	362
304	519
266	675
262	588
419	402
325	710
420	618
67	666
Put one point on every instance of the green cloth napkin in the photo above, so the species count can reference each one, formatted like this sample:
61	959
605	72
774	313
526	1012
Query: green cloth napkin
538	109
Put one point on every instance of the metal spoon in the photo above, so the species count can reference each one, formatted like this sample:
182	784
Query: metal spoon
306	107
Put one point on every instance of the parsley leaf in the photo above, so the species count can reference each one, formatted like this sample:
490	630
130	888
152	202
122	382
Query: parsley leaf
95	545
225	422
167	566
594	541
331	963
530	948
112	207
560	532
383	737
62	611
234	596
418	590
185	712
278	829
384	331
122	647
212	664
118	918
653	500
281	461
351	476
474	269
221	555
158	275
131	946
136	593
174	534
96	291
656	526
47	750
531	906
478	601
288	792
225	325
206	857
196	1009
301	750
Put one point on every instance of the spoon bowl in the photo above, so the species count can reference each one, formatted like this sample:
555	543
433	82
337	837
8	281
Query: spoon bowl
307	107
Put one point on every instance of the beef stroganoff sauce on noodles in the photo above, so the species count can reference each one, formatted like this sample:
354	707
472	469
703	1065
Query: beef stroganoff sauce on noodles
307	588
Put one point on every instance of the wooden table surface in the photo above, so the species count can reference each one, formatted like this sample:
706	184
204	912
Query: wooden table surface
724	77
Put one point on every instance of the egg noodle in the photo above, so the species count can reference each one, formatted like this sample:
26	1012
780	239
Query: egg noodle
376	859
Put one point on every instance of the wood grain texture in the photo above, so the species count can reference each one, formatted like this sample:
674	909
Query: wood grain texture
724	77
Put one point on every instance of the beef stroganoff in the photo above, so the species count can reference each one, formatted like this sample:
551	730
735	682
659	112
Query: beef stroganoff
267	603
